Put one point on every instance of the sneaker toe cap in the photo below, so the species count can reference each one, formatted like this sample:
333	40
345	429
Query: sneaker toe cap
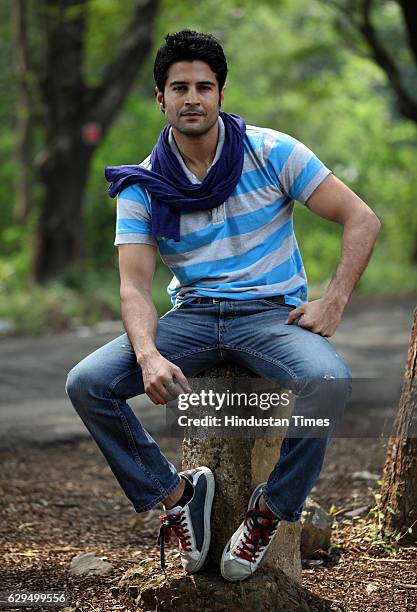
233	570
191	562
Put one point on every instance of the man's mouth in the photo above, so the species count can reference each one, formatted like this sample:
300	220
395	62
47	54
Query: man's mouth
192	114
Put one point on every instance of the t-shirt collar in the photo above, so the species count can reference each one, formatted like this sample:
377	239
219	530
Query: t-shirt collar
191	177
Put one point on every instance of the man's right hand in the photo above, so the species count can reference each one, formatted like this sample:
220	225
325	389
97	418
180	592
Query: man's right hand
163	381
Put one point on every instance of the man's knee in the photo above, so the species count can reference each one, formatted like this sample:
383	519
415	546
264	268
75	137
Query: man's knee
82	385
329	376
335	372
74	386
329	366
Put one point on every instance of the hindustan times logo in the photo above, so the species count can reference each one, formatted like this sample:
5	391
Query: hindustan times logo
298	421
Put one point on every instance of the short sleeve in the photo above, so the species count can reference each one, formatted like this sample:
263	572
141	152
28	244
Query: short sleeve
297	169
133	222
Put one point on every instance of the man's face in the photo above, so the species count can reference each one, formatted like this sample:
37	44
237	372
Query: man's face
191	98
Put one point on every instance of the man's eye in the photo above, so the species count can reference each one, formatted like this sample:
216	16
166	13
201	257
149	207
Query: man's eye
179	88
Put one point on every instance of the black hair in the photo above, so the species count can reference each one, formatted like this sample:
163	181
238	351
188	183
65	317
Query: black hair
188	46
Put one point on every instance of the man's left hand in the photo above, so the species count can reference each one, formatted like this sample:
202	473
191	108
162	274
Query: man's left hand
320	316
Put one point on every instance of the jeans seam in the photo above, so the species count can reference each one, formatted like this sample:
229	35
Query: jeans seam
283	451
134	449
128	432
121	376
159	498
261	356
193	352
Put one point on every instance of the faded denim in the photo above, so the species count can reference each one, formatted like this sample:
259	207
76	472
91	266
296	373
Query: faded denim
196	336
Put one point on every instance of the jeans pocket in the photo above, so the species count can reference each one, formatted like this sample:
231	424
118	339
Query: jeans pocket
173	309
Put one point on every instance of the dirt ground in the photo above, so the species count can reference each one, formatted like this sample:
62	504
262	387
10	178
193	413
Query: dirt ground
60	500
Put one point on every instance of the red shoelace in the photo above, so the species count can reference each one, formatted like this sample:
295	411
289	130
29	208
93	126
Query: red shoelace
173	524
260	531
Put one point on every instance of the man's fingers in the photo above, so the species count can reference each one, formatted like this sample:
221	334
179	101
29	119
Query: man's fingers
158	393
173	388
155	397
181	380
302	322
294	314
164	381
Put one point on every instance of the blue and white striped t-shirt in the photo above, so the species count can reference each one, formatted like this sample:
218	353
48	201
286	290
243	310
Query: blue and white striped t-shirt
245	248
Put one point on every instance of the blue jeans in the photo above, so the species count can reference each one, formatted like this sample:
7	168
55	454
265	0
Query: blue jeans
195	336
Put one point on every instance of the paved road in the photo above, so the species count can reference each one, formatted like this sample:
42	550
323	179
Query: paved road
373	338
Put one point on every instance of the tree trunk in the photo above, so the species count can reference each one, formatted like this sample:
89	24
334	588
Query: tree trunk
24	125
59	235
238	465
399	489
74	115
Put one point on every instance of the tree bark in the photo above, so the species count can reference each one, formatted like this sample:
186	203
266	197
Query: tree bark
407	104
75	117
399	489
408	8
59	235
239	465
24	126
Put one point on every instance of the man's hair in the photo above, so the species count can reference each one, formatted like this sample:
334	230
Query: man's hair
187	46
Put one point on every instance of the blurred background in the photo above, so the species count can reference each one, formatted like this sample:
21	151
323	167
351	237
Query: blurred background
77	95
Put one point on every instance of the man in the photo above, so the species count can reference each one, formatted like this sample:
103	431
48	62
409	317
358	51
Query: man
216	198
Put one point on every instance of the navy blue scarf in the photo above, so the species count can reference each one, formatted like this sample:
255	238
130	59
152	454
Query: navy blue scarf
170	189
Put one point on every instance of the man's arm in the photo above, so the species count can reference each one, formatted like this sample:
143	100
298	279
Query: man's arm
137	267
334	201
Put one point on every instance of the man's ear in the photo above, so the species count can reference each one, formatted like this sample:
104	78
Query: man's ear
221	96
159	96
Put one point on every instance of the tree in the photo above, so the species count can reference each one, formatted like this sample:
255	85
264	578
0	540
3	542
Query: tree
371	29
399	489
74	115
24	125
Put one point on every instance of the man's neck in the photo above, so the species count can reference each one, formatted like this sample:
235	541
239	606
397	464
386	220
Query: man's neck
198	152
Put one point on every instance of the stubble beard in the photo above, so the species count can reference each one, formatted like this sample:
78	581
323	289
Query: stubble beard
195	130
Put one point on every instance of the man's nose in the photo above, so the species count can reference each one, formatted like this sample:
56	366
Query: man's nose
192	97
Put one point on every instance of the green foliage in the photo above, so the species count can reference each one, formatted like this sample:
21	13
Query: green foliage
83	296
288	70
377	537
106	25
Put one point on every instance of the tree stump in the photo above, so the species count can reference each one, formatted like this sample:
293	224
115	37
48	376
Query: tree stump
238	465
399	487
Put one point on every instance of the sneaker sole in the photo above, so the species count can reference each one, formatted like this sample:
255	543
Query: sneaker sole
207	517
251	503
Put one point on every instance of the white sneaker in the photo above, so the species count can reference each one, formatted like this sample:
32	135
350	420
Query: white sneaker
190	523
248	545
